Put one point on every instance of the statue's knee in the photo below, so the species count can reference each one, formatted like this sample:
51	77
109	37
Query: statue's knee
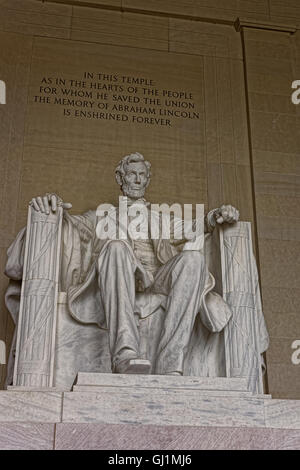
117	247
192	257
193	260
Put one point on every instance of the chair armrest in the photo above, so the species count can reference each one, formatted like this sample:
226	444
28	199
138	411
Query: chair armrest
38	306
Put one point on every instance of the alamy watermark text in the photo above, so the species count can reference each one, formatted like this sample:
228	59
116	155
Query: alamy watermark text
2	92
2	353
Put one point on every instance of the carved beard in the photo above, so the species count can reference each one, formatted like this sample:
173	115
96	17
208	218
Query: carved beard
133	193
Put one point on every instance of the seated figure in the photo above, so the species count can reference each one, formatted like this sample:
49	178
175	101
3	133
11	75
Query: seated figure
119	285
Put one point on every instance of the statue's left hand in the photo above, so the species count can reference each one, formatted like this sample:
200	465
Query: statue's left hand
226	213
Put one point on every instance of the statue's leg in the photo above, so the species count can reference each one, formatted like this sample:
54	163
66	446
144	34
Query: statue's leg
116	278
184	278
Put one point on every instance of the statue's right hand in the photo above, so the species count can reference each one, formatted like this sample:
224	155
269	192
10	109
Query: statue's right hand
48	203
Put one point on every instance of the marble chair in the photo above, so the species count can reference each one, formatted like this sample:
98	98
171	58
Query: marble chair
50	347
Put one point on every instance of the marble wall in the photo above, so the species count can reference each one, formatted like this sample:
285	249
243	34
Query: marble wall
243	148
272	62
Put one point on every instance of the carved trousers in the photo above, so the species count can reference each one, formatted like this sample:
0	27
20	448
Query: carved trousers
181	279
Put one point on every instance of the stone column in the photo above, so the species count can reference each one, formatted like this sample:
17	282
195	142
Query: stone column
241	292
38	307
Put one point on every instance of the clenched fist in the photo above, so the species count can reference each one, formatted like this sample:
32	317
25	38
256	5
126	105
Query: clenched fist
48	203
226	213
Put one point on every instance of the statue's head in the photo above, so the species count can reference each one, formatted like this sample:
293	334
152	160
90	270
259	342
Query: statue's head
133	175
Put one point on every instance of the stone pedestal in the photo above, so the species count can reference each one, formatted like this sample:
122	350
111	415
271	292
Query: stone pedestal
115	411
163	400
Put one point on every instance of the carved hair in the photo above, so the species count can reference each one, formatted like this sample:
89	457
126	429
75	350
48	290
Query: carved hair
132	158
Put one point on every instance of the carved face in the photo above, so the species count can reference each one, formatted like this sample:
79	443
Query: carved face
135	180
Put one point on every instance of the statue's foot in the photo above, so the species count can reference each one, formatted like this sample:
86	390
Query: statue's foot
174	373
133	366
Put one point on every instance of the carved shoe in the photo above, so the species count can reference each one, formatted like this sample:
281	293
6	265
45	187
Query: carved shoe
133	366
174	373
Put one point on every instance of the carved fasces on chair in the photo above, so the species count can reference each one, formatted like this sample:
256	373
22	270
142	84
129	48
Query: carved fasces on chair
241	292
37	318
